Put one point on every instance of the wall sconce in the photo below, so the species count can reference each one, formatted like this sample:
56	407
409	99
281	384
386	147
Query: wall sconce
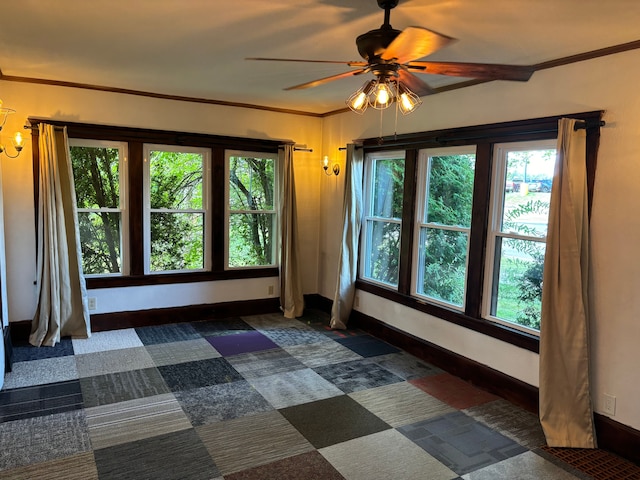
335	169
17	140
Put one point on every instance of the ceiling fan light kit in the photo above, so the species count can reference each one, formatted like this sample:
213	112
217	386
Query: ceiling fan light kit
391	56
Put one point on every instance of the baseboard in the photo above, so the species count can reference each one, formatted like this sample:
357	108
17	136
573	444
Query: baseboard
612	436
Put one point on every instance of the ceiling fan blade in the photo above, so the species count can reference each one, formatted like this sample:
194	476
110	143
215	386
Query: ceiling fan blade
321	81
416	85
413	43
486	71
351	64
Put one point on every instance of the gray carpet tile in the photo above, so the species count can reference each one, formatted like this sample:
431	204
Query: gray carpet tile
333	420
41	372
226	326
221	402
173	456
306	466
400	404
181	352
357	375
526	466
76	467
385	455
113	361
263	363
23	352
461	443
40	400
122	386
319	354
522	426
124	422
406	365
248	442
299	335
293	388
40	439
176	332
270	321
109	340
203	373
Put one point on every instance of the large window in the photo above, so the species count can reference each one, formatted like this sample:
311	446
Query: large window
445	197
100	195
455	222
177	225
517	232
384	182
252	209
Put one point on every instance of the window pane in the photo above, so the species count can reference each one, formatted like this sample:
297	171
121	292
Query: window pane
251	239
96	176
450	190
384	254
251	183
175	180
517	285
100	241
388	184
177	241
443	265
528	191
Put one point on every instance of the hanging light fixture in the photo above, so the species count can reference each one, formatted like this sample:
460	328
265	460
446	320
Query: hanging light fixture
380	93
17	140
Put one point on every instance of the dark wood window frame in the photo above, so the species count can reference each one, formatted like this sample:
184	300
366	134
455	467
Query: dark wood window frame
136	138
484	137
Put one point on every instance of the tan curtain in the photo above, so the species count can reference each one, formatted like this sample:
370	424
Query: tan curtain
348	261
565	400
62	308
291	298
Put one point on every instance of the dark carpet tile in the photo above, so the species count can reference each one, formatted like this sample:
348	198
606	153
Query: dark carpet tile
251	341
202	373
178	455
167	333
40	400
367	346
215	328
357	375
333	420
307	466
460	442
122	386
24	352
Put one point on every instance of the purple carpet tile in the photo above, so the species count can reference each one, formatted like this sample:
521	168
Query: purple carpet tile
252	341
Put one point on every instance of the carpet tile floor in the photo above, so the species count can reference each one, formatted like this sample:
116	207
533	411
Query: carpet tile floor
263	397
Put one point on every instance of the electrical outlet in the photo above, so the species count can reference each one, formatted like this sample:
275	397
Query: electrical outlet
270	289
609	404
93	303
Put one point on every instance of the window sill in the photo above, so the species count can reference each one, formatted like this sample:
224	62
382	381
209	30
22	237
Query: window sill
504	333
172	278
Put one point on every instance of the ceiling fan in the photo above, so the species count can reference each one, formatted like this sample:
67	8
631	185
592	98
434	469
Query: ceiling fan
391	56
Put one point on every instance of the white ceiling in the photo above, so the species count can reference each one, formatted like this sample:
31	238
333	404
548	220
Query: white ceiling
196	48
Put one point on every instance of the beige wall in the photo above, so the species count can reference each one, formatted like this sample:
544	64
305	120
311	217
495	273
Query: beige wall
126	110
608	84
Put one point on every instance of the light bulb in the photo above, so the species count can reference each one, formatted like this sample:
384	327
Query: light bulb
18	141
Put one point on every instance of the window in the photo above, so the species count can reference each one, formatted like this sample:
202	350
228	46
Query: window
251	209
443	224
177	205
98	172
518	228
384	183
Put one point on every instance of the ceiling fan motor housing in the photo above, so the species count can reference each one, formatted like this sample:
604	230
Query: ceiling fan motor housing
373	43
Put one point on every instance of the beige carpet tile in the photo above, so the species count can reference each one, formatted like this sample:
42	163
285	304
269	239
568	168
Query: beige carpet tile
133	420
110	340
400	404
41	372
319	354
270	321
113	361
77	467
248	442
181	352
383	456
526	466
